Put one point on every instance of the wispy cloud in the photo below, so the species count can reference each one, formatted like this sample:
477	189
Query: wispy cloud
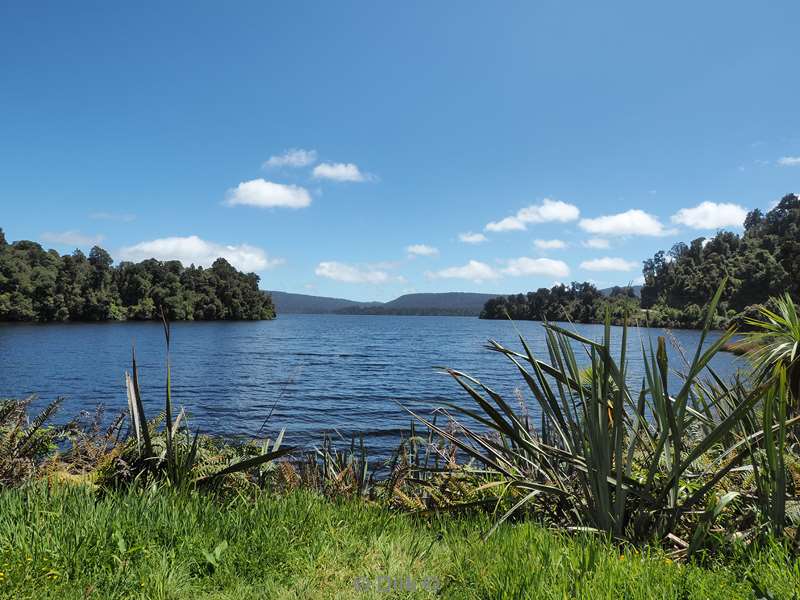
109	216
472	238
548	211
71	238
608	263
294	157
518	267
474	270
596	243
266	194
789	161
711	215
631	222
549	244
195	250
421	250
350	274
339	172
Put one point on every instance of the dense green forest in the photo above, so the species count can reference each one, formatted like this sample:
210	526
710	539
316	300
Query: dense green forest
577	302
42	285
761	263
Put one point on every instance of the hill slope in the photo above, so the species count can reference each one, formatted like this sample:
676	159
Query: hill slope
447	303
288	303
447	300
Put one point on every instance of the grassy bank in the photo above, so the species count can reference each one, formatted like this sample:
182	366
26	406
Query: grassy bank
65	542
687	490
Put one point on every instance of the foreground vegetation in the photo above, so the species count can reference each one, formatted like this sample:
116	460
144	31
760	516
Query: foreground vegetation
757	265
691	481
39	285
64	542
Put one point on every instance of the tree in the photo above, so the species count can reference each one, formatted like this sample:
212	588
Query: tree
39	285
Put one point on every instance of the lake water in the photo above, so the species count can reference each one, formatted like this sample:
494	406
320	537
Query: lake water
323	373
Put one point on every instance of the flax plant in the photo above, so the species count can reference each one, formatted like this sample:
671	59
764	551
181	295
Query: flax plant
175	457
636	461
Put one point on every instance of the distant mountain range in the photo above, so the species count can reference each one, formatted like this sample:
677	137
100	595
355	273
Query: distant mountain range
466	304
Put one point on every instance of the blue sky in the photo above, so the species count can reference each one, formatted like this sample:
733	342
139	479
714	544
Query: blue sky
348	149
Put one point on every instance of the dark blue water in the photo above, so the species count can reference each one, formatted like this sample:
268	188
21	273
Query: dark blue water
322	373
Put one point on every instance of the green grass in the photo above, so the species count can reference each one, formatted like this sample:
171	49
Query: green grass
66	542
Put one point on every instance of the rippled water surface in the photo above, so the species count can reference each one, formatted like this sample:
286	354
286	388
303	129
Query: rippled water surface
326	372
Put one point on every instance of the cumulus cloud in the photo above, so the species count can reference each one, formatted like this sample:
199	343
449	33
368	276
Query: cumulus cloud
472	238
108	216
266	194
596	243
195	250
546	212
350	274
421	250
293	157
631	222
339	172
507	224
549	244
789	161
608	263
474	270
518	267
711	215
71	238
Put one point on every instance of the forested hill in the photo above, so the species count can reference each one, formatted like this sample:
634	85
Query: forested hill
289	303
761	263
42	285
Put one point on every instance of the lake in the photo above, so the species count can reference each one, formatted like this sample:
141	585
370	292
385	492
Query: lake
322	373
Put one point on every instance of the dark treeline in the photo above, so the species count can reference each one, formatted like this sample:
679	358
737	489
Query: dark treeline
42	285
761	263
577	302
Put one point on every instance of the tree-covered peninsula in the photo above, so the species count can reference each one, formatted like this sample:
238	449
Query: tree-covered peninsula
762	262
42	285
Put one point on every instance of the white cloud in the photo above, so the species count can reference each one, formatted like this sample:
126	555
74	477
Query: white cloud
536	266
789	161
609	264
474	271
108	216
339	172
266	194
293	157
71	238
711	215
507	224
596	243
631	222
350	274
421	250
472	238
546	212
549	244
194	250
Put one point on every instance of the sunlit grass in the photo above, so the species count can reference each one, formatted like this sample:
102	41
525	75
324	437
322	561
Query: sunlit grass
65	542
